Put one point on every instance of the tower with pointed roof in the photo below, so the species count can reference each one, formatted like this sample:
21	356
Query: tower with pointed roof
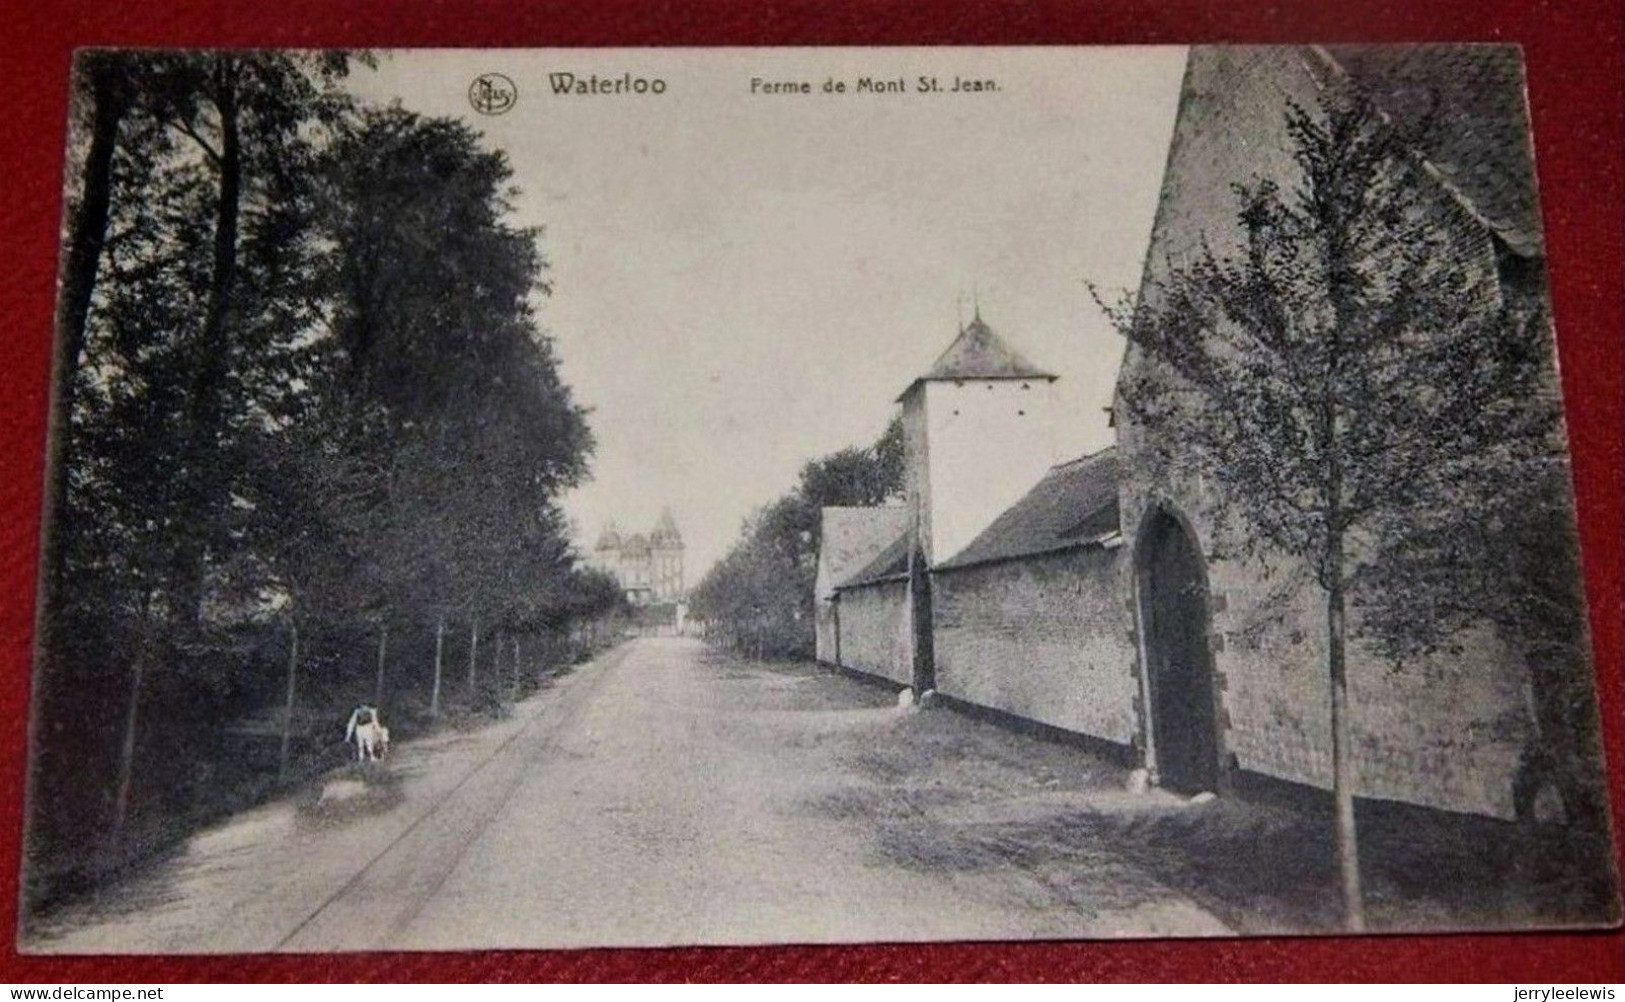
609	539
666	558
978	430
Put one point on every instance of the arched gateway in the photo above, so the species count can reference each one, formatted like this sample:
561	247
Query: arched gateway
1171	577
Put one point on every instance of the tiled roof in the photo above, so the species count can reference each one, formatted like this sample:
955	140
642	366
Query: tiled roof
1075	504
1468	104
851	539
978	353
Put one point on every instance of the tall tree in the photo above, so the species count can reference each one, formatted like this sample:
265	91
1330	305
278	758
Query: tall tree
446	411
150	233
248	116
103	83
1348	371
762	591
310	386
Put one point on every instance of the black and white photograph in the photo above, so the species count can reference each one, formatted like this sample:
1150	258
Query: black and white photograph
560	498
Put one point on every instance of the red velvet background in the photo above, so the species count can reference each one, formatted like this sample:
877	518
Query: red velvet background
1578	92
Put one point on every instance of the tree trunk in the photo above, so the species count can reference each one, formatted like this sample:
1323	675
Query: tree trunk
1343	777
287	711
499	647
132	722
1345	307
208	390
473	654
109	102
514	692
378	686
439	650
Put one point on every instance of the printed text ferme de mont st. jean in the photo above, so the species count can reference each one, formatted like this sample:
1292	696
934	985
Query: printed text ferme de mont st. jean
565	83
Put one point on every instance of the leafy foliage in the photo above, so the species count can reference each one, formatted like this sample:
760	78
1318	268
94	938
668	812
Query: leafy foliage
308	389
759	597
1354	363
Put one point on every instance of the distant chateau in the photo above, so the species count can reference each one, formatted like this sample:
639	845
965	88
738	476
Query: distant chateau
650	567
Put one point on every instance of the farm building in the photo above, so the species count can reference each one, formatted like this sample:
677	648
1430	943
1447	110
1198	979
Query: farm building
1088	594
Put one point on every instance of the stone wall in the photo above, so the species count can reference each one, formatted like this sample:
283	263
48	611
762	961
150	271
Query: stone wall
1048	638
875	631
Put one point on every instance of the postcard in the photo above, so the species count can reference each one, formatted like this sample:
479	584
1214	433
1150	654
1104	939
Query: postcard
644	497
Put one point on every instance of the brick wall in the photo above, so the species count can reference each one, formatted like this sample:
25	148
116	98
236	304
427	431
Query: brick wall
874	631
1047	638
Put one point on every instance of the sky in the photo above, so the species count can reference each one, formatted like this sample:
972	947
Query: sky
745	281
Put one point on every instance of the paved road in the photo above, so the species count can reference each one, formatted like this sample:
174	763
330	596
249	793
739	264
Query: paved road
662	794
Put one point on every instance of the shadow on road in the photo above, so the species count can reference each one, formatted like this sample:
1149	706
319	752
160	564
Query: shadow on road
948	794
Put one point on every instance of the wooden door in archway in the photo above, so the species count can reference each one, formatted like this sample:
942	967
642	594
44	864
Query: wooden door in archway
1174	624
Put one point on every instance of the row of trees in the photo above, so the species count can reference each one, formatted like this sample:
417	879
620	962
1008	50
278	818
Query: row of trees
1365	393
759	598
301	387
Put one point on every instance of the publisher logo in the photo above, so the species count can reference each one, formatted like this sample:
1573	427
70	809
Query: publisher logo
492	94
